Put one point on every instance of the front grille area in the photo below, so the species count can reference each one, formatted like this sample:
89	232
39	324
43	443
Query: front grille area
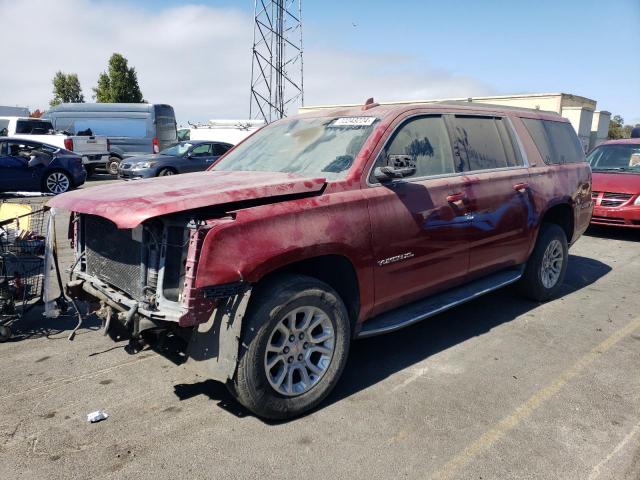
112	255
612	199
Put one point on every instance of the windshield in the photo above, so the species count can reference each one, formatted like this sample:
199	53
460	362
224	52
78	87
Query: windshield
620	157
177	150
323	147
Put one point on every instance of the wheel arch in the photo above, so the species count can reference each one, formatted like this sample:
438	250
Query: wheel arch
562	214
336	270
167	167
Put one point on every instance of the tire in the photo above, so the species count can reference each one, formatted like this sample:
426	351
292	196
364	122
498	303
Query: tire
91	170
57	182
112	165
541	280
5	333
165	172
272	308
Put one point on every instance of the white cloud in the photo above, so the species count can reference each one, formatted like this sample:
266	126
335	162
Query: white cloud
196	58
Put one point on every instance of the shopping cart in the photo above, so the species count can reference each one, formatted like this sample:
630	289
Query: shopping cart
22	253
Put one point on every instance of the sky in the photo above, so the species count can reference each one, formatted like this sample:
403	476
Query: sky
196	55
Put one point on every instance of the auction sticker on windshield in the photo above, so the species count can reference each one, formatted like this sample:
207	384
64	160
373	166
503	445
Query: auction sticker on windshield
353	122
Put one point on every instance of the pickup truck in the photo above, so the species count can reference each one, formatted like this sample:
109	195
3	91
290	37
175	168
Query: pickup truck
93	149
327	227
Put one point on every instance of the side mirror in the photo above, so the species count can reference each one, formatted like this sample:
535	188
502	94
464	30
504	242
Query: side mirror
189	154
398	166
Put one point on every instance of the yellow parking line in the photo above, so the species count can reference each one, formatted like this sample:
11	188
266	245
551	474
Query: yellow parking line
489	438
597	470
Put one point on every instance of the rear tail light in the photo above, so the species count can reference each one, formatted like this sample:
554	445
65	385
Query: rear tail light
68	144
156	147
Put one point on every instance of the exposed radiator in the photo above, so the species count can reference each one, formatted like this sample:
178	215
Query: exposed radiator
112	255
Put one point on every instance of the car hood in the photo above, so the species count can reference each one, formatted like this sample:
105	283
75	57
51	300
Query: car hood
618	182
128	204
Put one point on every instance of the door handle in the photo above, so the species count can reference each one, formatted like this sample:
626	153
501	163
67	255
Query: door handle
520	187
456	197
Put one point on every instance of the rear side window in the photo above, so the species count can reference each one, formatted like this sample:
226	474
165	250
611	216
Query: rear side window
33	127
564	142
482	143
109	127
4	128
220	148
557	142
426	141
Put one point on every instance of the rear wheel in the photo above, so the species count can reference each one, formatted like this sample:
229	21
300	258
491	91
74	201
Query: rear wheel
165	172
57	182
91	170
547	265
296	341
112	165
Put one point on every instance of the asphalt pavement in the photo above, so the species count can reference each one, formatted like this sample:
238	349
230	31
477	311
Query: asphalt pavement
498	388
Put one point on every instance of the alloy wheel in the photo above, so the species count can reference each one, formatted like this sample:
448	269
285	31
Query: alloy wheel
58	182
552	264
299	351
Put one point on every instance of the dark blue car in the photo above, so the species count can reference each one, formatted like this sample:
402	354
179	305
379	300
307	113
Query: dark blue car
30	166
183	157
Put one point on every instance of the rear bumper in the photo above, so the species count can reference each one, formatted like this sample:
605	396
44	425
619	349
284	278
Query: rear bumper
628	216
79	178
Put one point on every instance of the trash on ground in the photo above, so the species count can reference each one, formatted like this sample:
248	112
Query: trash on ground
97	416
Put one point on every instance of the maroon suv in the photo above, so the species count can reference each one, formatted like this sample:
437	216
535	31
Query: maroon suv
330	226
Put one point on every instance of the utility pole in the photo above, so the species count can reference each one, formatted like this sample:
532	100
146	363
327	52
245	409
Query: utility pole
277	66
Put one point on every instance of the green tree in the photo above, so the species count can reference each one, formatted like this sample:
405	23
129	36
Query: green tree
119	84
66	89
616	128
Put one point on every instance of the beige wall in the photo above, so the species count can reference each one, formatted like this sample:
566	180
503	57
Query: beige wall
580	118
553	102
599	128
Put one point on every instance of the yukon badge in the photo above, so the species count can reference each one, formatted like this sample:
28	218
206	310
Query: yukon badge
397	258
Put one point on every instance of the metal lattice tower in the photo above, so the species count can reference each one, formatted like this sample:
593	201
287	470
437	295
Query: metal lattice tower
277	66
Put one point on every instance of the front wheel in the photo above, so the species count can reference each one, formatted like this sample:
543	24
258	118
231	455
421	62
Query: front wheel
5	333
296	341
165	172
547	265
112	165
57	182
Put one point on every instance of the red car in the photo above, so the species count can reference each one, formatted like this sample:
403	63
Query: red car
330	226
616	183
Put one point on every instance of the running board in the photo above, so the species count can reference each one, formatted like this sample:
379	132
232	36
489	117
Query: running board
417	311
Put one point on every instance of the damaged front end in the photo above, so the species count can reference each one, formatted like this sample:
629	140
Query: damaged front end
144	278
